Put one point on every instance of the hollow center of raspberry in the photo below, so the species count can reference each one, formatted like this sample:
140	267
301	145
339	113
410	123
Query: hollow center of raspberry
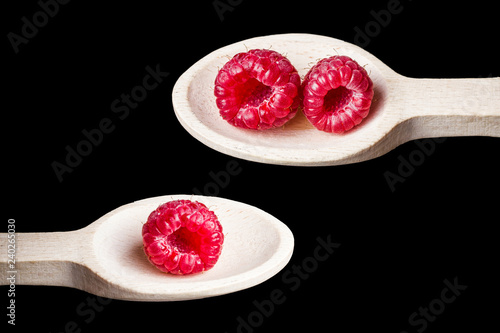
253	93
336	99
184	240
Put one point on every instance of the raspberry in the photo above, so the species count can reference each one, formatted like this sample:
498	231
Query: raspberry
182	237
336	94
257	89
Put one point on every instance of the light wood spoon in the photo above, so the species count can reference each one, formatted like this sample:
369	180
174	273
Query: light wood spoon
106	257
403	108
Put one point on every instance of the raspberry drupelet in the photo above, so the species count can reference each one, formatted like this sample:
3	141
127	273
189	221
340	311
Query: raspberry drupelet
336	94
257	89
182	237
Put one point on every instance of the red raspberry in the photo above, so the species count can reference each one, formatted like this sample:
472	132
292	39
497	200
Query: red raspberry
336	94
257	89
182	237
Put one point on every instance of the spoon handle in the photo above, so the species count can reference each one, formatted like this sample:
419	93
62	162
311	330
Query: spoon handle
451	107
41	258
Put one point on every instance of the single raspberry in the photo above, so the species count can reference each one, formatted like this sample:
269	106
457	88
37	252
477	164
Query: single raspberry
257	89
336	94
182	237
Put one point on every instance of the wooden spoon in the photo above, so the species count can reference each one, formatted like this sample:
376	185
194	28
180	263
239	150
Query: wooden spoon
106	257
403	108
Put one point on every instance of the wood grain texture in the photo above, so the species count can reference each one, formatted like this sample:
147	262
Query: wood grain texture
106	257
403	108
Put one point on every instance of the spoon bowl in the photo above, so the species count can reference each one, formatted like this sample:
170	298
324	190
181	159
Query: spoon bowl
106	258
403	108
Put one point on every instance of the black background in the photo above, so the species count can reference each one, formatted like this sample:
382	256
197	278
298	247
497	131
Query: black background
397	247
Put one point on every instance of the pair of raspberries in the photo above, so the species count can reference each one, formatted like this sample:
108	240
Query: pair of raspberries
261	89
